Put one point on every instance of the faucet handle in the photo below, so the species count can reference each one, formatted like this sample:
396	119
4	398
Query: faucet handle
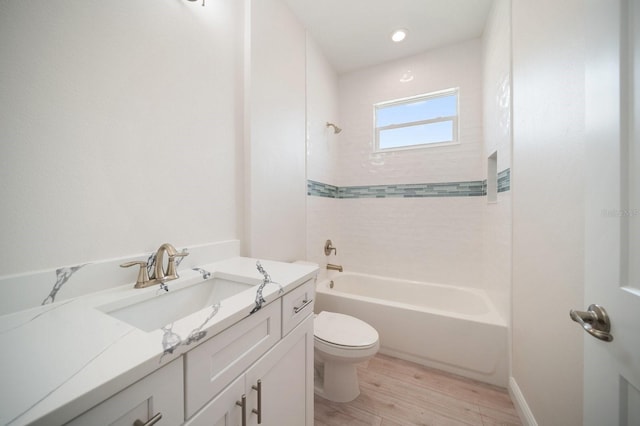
143	275
328	248
172	272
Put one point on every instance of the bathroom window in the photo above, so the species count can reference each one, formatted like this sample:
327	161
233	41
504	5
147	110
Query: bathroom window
417	122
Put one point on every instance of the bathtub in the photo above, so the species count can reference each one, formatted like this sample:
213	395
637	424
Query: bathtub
455	329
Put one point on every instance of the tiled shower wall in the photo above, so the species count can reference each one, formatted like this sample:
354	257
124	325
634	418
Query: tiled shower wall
458	66
416	214
496	226
424	238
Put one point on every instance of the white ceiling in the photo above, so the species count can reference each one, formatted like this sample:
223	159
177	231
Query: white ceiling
356	33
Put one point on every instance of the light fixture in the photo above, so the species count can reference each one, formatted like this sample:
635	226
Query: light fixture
407	76
399	35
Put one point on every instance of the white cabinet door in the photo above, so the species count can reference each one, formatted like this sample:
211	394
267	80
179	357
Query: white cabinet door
286	381
217	362
222	410
160	392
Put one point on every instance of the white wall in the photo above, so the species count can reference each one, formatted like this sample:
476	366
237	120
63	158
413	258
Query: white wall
119	128
497	127
548	206
323	147
275	139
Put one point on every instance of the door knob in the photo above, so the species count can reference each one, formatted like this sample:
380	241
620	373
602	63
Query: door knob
595	321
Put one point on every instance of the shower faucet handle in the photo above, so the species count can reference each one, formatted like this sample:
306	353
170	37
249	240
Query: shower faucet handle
328	248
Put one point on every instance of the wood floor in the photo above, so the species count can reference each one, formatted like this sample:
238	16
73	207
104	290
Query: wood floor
394	392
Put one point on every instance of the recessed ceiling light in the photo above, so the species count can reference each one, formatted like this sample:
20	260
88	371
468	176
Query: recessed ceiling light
399	35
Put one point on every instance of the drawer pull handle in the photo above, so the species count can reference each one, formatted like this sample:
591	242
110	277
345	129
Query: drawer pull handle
243	404
152	421
258	412
301	307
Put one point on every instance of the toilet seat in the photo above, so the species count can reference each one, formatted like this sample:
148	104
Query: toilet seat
344	331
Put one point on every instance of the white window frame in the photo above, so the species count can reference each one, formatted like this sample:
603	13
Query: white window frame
418	98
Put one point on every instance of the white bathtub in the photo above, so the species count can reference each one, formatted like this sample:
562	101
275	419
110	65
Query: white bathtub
455	329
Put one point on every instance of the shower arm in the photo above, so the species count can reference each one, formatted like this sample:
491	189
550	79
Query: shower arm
336	129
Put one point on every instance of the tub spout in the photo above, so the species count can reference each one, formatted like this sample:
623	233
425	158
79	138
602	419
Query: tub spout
332	267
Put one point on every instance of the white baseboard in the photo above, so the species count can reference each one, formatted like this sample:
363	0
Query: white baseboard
526	416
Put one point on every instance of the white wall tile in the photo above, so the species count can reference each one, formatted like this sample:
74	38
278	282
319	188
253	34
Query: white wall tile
426	239
458	65
496	240
423	239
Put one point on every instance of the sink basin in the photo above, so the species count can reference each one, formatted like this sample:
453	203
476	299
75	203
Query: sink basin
162	308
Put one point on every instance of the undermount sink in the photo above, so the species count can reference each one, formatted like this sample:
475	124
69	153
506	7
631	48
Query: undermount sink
163	308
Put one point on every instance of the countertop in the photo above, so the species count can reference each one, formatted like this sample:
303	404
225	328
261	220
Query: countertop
61	359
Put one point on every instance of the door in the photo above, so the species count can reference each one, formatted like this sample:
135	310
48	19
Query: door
226	409
612	249
155	399
282	381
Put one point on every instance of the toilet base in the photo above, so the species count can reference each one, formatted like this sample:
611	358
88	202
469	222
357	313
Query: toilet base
337	382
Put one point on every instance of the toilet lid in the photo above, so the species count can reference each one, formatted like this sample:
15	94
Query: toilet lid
343	330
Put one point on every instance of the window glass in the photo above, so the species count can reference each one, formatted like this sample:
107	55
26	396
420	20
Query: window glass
439	132
422	120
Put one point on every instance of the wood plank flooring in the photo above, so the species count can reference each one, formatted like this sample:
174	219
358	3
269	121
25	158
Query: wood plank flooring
395	392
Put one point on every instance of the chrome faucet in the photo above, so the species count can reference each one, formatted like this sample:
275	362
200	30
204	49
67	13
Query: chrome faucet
332	267
160	276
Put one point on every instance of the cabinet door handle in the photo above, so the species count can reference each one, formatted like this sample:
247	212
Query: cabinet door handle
152	421
243	405
305	303
258	412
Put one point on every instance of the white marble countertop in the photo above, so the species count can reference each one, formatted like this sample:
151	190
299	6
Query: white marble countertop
61	359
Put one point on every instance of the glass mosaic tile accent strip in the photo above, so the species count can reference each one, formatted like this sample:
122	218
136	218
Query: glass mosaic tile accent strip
476	188
320	189
449	189
504	180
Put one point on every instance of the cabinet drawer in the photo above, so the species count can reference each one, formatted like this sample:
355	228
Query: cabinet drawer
296	305
159	392
214	364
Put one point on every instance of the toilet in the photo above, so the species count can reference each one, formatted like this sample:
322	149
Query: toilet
340	342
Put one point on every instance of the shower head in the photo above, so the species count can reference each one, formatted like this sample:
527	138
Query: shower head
336	129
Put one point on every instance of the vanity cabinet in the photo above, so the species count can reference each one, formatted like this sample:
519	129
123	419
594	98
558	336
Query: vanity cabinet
264	362
160	393
278	388
277	385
